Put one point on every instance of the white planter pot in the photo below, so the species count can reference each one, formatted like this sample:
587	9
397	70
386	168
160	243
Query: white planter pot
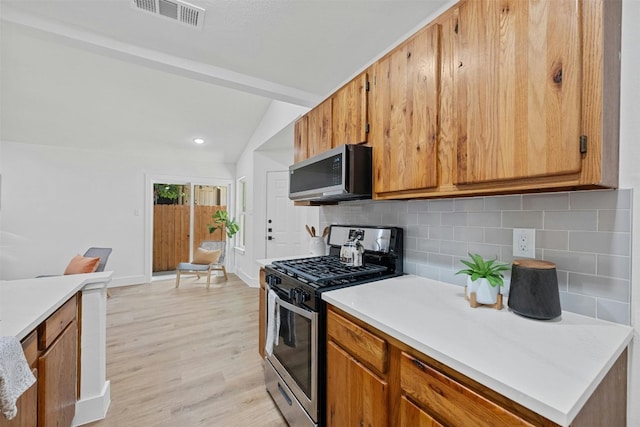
485	293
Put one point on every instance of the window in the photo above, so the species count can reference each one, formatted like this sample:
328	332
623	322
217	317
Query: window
242	212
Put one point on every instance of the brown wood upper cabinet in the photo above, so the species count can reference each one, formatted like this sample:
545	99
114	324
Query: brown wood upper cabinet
340	119
349	113
404	115
319	129
516	83
527	99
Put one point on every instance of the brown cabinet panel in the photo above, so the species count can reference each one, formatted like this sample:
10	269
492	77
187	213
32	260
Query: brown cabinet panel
404	114
355	395
411	415
319	129
57	378
516	89
455	404
27	405
300	139
366	347
51	328
262	315
349	112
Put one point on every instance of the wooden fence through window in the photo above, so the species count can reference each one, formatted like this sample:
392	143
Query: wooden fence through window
171	233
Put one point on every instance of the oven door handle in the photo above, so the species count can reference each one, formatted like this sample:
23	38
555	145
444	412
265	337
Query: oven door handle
301	311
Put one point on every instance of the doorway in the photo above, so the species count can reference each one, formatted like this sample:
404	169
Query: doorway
285	221
177	218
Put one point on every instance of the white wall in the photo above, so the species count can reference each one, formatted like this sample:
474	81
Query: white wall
630	178
278	116
56	202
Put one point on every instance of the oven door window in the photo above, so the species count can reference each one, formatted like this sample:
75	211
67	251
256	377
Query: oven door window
294	348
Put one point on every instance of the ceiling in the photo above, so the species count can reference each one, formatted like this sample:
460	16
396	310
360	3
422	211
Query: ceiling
95	73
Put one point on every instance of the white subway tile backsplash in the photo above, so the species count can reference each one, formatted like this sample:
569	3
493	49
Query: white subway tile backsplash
499	236
454	218
484	219
440	205
551	201
601	287
600	199
612	220
581	304
555	239
587	234
614	266
450	247
441	232
522	219
429	218
614	311
571	220
474	204
572	261
503	203
468	234
428	245
600	242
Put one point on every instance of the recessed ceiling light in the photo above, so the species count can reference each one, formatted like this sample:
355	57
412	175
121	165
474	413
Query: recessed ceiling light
198	140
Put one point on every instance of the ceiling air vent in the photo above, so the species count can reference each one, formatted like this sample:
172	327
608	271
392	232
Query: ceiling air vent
176	10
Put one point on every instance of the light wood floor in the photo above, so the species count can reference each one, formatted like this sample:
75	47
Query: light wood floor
186	357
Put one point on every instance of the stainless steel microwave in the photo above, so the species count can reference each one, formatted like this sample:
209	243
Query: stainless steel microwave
342	173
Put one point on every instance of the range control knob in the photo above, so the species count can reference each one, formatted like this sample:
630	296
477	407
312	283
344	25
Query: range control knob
300	296
272	280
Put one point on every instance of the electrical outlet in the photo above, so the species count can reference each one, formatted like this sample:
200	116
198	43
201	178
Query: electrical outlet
524	242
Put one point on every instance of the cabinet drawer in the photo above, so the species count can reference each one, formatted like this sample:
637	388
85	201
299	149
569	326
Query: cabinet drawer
30	348
362	344
51	328
453	403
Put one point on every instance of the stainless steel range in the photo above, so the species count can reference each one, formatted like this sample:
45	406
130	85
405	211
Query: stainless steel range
296	330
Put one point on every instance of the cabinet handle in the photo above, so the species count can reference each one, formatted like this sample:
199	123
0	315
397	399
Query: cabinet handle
418	363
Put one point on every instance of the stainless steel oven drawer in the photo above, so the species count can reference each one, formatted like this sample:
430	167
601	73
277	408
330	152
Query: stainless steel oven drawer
289	406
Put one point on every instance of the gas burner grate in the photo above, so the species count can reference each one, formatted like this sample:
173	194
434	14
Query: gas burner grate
327	268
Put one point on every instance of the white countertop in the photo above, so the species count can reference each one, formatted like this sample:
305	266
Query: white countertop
550	367
24	304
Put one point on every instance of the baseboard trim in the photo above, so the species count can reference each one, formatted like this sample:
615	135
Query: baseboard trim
94	408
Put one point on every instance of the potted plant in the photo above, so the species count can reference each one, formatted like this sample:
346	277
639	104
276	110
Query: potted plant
484	278
222	222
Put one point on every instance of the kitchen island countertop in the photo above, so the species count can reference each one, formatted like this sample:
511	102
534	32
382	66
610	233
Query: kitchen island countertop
550	367
25	303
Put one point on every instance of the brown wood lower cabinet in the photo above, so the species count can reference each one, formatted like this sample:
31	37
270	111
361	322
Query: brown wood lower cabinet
375	380
412	415
52	353
27	404
350	382
58	379
262	315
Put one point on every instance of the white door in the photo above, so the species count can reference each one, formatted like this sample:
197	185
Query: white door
285	222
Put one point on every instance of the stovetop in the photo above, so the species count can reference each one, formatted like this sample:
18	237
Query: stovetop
327	270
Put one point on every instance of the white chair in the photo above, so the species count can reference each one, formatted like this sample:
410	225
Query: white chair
205	260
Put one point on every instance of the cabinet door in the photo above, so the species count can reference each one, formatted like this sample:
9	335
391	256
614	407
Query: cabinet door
517	89
355	396
349	112
404	115
57	376
452	402
300	139
411	415
319	129
27	405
